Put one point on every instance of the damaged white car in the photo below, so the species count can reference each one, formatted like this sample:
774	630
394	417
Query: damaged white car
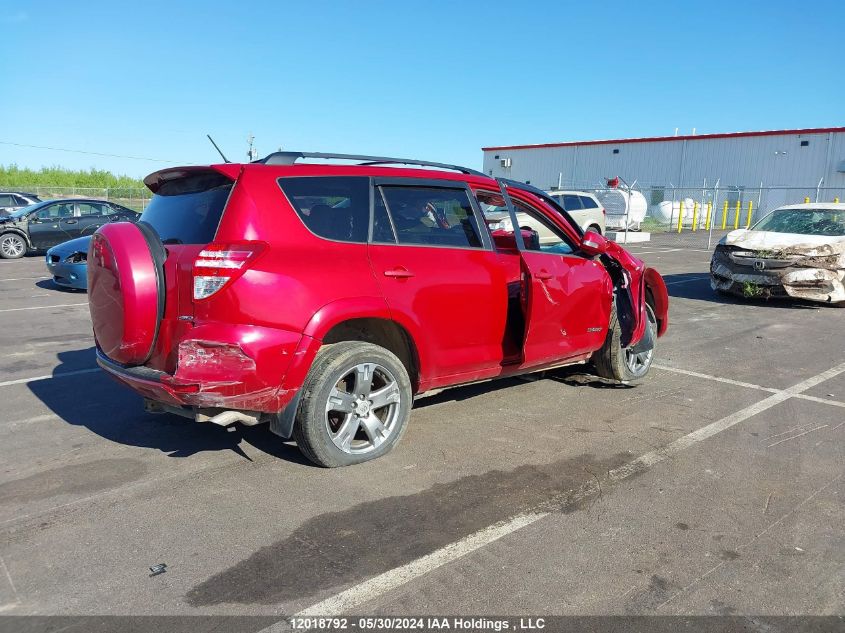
796	251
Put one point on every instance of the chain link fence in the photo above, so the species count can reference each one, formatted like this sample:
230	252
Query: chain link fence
130	197
698	217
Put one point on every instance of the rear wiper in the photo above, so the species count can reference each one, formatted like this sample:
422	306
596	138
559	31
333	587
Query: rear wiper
172	240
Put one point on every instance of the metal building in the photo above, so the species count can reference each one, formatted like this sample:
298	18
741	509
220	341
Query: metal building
785	164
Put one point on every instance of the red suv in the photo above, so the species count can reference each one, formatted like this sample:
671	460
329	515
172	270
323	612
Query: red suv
322	298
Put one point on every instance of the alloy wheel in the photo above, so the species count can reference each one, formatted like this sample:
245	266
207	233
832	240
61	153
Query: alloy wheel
362	409
12	246
638	364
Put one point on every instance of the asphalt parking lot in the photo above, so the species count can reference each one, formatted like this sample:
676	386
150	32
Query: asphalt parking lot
715	487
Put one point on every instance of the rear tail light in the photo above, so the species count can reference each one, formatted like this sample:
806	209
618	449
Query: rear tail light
219	264
604	212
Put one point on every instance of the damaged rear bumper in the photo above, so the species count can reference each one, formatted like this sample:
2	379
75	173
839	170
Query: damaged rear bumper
768	278
172	392
213	375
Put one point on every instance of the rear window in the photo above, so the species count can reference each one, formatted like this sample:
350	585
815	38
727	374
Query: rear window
336	208
188	210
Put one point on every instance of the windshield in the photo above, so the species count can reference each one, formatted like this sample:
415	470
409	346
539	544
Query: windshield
19	213
804	222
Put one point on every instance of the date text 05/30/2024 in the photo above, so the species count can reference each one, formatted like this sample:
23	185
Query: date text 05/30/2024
432	623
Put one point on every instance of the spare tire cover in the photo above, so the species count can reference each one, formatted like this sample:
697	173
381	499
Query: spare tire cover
126	290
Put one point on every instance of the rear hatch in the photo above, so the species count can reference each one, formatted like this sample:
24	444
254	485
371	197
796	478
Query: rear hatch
180	221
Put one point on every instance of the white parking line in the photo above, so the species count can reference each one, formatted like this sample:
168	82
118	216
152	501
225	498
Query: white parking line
748	385
663	249
695	374
24	278
63	305
22	381
381	584
686	281
32	420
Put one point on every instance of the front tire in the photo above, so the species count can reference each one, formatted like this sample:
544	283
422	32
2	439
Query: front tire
614	362
355	405
12	246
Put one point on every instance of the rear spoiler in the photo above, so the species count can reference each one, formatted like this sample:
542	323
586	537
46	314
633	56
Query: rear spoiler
157	179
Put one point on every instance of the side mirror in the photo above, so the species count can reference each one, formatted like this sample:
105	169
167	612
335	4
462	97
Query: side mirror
593	244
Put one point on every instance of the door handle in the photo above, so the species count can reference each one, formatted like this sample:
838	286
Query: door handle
398	273
69	221
543	275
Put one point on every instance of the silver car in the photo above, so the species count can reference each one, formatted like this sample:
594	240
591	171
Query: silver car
12	200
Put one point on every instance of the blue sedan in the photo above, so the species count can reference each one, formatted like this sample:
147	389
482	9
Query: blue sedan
67	263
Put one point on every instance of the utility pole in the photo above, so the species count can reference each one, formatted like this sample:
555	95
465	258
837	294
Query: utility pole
251	153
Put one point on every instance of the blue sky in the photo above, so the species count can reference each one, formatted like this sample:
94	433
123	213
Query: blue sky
433	80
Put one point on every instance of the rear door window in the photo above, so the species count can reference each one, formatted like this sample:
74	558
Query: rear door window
87	209
188	210
433	216
335	208
572	202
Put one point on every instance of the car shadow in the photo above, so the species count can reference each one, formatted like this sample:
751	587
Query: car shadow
49	284
112	411
697	286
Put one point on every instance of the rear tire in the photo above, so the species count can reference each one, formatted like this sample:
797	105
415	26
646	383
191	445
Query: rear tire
335	425
594	228
614	362
12	246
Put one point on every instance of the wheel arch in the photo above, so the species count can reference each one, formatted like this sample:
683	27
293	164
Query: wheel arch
385	333
17	231
368	319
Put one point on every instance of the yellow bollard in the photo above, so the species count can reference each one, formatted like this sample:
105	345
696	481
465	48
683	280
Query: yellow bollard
806	199
725	215
736	216
709	210
695	216
750	208
681	217
836	200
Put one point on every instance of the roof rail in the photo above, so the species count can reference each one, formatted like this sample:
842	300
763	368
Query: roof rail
289	158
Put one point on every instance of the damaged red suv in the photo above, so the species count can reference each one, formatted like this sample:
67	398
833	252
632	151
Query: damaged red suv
322	298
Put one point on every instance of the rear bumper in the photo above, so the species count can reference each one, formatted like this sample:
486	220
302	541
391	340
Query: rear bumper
212	374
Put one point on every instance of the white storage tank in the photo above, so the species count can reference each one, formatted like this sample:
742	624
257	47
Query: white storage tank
667	211
621	204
